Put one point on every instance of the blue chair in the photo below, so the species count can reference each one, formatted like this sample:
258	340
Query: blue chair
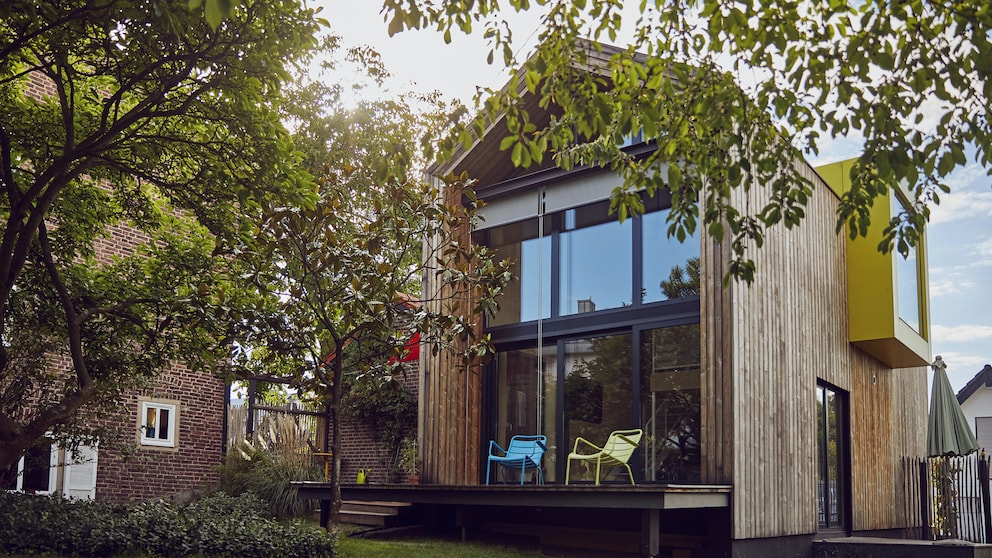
523	453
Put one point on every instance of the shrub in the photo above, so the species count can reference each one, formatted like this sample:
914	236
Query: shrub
218	525
281	455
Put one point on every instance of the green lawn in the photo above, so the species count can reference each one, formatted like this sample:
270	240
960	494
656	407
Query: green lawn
435	548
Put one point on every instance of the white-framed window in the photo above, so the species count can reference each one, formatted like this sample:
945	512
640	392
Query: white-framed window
35	472
79	472
157	423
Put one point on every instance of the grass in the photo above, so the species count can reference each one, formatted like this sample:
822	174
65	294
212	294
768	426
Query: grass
435	548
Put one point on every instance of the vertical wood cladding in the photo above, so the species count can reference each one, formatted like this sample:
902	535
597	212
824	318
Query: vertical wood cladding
450	399
765	347
789	328
888	423
716	386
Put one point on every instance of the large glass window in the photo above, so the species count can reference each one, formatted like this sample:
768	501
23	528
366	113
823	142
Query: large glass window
596	260
907	279
908	289
526	403
565	368
670	268
528	297
598	374
670	403
584	260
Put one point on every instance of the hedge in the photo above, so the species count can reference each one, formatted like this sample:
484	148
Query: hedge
216	525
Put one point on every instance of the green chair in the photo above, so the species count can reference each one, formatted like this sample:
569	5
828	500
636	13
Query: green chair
617	450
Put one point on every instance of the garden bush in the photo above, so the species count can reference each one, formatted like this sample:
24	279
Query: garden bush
217	525
280	455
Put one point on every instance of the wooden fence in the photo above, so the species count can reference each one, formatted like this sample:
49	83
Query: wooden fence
247	422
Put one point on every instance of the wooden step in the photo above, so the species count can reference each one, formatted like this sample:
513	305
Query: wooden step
377	514
394	508
370	519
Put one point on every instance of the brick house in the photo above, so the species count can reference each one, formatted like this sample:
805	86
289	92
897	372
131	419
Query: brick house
168	438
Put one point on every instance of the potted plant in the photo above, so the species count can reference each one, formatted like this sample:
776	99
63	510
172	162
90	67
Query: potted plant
409	462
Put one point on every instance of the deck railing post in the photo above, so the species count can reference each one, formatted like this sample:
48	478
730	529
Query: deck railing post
924	499
983	481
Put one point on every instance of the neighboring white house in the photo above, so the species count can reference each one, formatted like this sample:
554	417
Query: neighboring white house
976	402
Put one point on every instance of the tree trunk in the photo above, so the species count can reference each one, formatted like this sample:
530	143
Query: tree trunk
337	368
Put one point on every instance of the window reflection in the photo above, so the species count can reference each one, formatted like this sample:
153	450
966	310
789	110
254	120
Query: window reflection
596	260
907	280
528	296
830	412
666	258
598	374
526	402
670	403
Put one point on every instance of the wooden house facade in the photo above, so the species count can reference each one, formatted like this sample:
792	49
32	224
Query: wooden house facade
801	395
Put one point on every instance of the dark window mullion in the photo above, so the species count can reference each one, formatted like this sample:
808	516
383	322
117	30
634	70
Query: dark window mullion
637	255
824	440
555	266
563	445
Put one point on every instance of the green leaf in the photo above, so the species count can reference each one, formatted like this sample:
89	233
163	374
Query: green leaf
215	12
516	156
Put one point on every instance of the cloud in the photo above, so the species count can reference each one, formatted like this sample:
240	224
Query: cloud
961	333
973	174
950	285
984	248
961	205
963	364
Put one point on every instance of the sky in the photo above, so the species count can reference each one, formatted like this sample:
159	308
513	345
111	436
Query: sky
959	249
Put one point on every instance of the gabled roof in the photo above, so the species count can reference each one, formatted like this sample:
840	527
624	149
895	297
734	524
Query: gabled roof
485	161
983	378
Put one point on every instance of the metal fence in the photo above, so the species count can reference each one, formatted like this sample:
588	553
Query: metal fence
954	498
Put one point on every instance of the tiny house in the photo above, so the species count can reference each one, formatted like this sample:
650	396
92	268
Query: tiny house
773	413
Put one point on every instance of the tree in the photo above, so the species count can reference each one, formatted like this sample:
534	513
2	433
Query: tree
342	278
913	78
115	120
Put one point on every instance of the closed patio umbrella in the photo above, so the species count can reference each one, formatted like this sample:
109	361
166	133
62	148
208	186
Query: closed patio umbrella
948	432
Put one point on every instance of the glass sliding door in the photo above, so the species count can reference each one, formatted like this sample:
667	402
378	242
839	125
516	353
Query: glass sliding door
831	416
526	402
670	403
597	375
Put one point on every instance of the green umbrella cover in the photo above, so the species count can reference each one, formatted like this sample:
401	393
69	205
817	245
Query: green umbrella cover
948	432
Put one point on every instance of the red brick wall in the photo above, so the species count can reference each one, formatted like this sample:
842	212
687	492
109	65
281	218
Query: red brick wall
152	472
126	470
358	451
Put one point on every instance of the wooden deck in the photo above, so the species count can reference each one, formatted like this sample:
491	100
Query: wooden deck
649	499
647	496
